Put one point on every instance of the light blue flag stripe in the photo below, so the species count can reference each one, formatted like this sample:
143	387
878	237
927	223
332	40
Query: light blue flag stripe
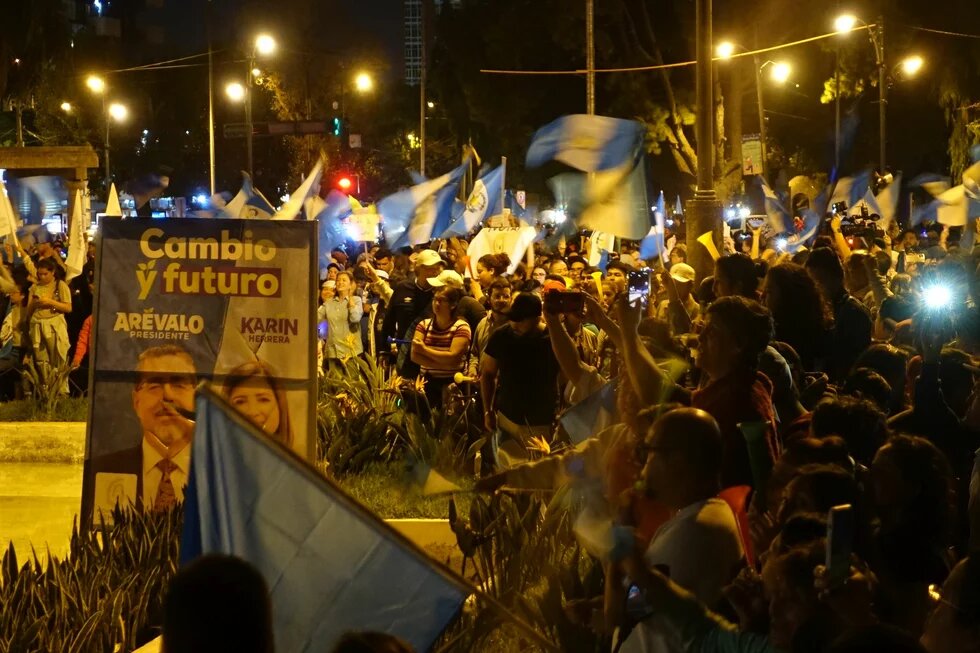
588	143
410	216
331	565
591	415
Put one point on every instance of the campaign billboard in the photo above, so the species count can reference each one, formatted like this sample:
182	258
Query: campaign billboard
179	301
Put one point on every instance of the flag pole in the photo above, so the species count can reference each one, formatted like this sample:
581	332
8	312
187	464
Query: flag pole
207	21
503	182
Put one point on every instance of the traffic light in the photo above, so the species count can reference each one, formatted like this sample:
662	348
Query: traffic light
337	126
344	183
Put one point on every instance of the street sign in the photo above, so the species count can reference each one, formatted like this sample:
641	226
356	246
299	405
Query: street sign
298	127
751	155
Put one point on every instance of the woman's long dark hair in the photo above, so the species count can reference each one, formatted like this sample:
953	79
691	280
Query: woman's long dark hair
799	312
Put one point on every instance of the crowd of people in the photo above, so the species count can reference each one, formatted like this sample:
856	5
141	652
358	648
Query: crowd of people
46	322
790	463
790	414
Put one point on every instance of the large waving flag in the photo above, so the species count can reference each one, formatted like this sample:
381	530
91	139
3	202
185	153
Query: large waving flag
297	199
331	229
587	143
482	203
888	202
77	248
779	216
331	565
869	201
249	202
614	201
851	190
418	214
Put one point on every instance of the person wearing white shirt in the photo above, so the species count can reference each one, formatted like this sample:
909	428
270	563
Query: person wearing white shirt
699	548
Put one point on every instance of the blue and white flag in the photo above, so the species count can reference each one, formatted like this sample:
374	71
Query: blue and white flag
888	202
331	230
869	201
297	199
851	190
8	220
413	216
482	203
249	202
776	211
330	564
613	201
678	207
652	245
587	143
589	416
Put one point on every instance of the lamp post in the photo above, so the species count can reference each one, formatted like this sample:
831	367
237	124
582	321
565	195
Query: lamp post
264	45
779	72
114	111
844	24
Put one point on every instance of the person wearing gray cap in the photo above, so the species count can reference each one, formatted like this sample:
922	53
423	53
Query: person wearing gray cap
410	303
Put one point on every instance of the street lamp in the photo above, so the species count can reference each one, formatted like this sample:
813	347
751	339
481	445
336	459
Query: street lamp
114	111
264	46
66	107
912	65
725	50
235	91
363	82
780	71
845	23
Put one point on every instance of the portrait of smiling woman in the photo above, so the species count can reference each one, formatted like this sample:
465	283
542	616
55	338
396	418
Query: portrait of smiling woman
252	390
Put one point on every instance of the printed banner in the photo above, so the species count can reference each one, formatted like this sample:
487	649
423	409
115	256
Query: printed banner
179	302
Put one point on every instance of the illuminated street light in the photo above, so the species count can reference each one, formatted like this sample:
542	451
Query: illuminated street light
845	23
235	91
363	82
95	84
256	72
265	44
118	112
66	107
912	65
780	72
430	104
725	50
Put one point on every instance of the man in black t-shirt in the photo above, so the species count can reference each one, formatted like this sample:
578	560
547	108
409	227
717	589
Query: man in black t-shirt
410	303
519	374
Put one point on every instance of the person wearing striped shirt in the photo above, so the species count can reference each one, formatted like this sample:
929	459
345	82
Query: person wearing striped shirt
441	344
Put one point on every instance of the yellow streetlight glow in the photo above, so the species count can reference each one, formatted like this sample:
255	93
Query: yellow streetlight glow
265	44
912	65
725	50
363	82
430	104
66	107
235	91
845	23
780	72
95	83
256	72
118	112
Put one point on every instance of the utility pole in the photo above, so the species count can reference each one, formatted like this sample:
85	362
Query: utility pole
207	20
704	213
879	44
590	57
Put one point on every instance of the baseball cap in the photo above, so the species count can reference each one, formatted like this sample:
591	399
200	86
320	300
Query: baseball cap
428	257
682	273
552	284
449	278
525	306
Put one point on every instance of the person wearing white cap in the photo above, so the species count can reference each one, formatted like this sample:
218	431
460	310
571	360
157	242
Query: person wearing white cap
410	303
679	310
469	309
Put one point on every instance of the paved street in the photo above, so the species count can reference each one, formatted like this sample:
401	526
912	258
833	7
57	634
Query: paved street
38	502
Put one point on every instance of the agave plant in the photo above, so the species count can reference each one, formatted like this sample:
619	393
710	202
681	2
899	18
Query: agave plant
43	385
525	556
105	595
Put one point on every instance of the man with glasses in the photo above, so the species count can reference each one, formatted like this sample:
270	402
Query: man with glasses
162	399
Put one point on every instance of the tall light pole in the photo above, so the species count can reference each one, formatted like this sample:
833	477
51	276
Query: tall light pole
110	111
780	72
264	45
704	214
590	57
844	24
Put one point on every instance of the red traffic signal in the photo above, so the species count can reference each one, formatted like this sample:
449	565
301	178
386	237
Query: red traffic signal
344	183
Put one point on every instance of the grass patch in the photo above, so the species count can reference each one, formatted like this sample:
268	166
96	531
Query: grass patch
69	409
40	447
380	488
